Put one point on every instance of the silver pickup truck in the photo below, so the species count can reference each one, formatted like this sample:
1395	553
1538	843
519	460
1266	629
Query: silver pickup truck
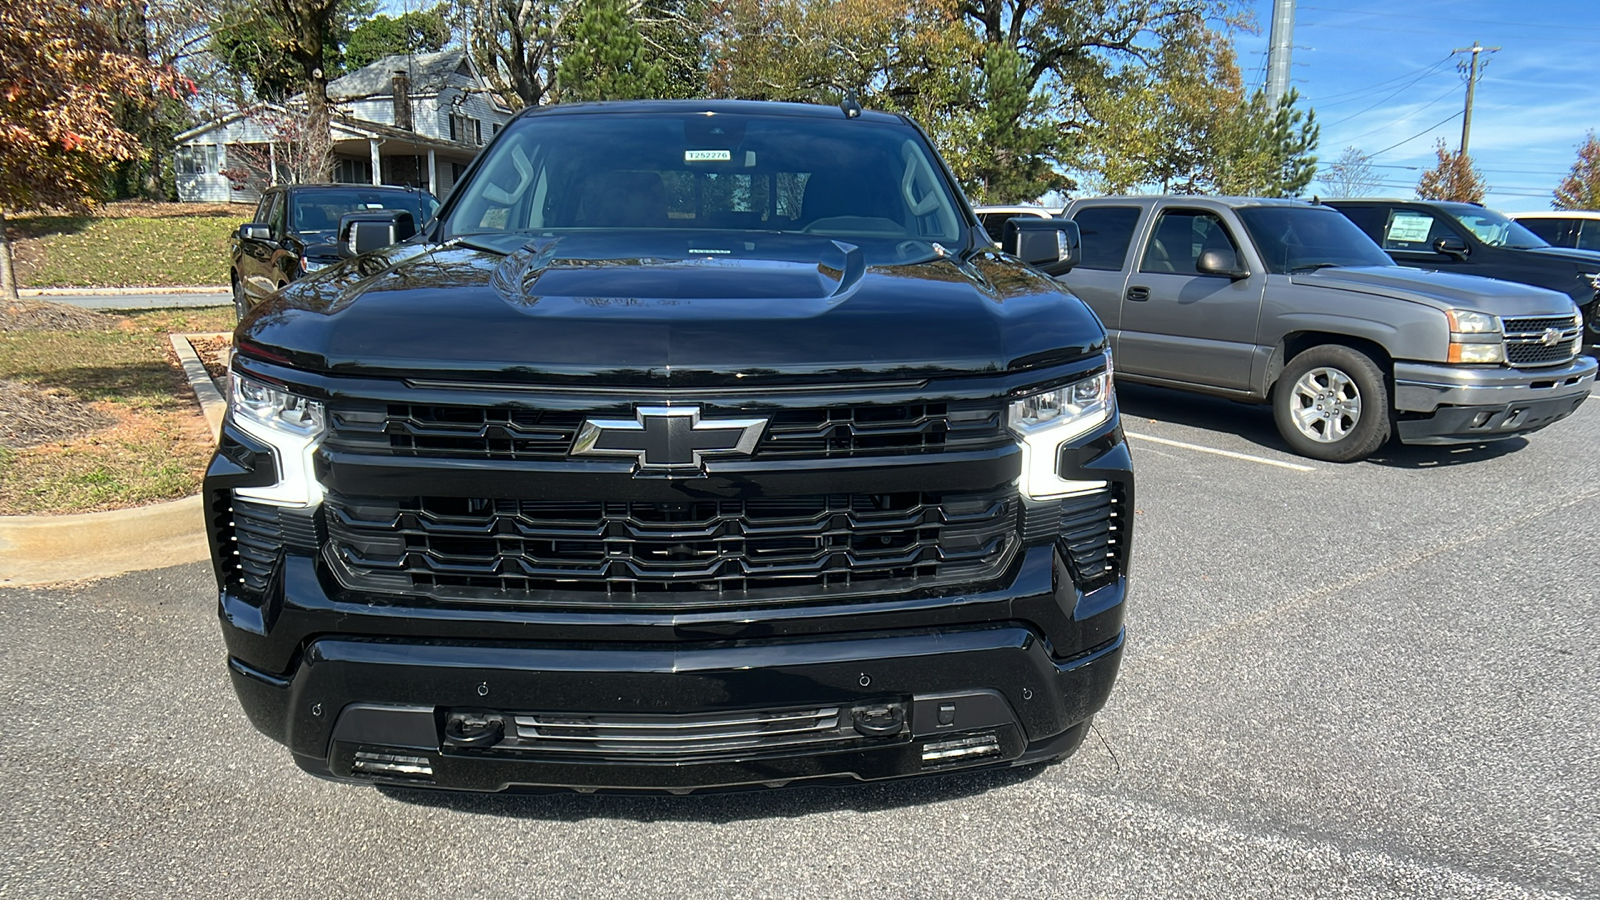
1287	302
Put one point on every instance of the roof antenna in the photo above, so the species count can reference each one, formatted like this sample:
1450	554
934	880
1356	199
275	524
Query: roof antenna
850	105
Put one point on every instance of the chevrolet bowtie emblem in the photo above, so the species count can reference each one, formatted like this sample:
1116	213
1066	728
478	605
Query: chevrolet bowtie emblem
1551	337
673	440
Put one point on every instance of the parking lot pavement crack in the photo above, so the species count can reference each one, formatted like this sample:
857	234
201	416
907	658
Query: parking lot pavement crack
1159	657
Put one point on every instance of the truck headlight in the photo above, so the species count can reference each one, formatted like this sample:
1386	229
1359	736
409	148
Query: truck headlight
293	425
1475	337
1044	421
1464	321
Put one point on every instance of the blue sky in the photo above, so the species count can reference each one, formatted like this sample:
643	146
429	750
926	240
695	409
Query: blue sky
1376	74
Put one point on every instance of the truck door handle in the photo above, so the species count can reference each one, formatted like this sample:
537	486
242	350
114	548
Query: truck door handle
1138	293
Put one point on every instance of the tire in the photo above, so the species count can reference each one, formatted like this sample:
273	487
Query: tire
1332	403
241	305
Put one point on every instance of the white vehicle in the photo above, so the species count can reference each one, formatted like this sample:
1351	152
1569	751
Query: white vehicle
994	217
1575	228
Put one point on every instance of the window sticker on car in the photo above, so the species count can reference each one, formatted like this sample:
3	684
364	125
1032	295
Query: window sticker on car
1409	228
707	155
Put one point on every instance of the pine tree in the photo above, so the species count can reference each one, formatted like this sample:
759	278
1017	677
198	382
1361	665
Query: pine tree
606	57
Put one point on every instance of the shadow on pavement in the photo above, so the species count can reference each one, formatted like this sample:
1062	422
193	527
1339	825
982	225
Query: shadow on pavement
1142	403
722	808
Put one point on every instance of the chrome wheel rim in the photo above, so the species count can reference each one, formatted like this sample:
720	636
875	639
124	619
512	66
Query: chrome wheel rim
1325	405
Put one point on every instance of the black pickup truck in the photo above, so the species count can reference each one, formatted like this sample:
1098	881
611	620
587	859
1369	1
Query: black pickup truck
694	444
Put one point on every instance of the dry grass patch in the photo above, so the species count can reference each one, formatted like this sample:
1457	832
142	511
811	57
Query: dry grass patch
100	419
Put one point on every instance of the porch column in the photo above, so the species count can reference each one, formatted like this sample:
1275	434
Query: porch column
433	173
272	163
377	162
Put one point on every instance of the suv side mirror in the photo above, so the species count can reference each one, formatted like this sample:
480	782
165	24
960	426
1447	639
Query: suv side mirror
1451	245
255	231
364	232
1221	262
1051	244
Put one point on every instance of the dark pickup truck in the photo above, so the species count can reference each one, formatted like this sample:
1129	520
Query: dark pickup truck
694	444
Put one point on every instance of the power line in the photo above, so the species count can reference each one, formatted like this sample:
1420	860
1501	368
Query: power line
1418	134
1542	37
1386	99
1408	116
1363	92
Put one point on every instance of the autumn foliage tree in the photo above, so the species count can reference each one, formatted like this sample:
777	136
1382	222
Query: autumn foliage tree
1454	178
63	73
1581	188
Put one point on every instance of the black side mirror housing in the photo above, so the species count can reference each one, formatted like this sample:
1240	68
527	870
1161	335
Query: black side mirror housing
1221	262
255	231
1053	245
1451	246
364	232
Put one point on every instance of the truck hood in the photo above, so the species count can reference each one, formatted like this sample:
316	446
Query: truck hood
1441	290
1589	260
784	308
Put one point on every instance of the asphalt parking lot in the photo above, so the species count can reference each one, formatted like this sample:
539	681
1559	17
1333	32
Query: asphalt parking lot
1366	680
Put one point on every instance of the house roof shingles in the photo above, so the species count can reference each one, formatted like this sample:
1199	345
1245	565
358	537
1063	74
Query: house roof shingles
430	73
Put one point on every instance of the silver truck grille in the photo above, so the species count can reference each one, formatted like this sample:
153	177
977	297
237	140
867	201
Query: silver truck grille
1542	340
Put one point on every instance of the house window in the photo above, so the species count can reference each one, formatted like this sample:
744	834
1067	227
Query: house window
494	129
352	171
196	159
466	129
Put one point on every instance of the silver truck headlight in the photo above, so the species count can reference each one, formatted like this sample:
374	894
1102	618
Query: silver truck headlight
1044	421
293	425
1464	321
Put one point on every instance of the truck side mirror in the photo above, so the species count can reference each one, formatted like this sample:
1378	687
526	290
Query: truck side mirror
1220	262
1450	245
255	231
1052	244
364	232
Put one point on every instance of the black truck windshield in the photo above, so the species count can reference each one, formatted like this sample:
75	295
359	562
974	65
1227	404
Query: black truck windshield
872	184
1296	238
1496	230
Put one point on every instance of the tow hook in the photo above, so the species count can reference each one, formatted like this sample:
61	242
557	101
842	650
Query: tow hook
474	728
880	721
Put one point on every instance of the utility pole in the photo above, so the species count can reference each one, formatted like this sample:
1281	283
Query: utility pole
1280	44
1472	82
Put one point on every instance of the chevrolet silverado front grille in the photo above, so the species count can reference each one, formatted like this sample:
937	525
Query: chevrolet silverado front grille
703	552
519	433
1542	341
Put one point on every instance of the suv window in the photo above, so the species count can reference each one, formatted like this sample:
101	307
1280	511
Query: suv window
1416	230
1107	231
1180	237
275	218
319	211
1588	234
1553	231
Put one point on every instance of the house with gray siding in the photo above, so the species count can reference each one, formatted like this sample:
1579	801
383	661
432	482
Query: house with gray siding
404	120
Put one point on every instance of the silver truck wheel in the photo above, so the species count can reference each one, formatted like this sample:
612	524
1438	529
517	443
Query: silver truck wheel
1326	405
1332	403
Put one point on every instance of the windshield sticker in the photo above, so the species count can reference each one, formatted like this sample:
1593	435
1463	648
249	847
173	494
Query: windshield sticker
1408	228
707	155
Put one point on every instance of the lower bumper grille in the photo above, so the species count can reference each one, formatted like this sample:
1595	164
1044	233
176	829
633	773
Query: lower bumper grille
682	737
669	554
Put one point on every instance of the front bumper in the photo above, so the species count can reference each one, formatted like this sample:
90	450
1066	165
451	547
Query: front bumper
352	702
1454	405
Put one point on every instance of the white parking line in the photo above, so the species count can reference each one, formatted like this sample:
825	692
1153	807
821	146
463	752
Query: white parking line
1228	453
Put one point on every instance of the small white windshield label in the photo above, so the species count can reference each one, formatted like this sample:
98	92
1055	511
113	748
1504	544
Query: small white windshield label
707	155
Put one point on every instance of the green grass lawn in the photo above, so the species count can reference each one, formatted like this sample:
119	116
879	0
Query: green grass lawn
155	443
132	245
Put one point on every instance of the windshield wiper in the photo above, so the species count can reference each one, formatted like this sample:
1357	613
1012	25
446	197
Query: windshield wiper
1312	267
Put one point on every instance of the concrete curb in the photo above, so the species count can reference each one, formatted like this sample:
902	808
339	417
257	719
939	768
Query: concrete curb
211	398
48	549
37	550
117	292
